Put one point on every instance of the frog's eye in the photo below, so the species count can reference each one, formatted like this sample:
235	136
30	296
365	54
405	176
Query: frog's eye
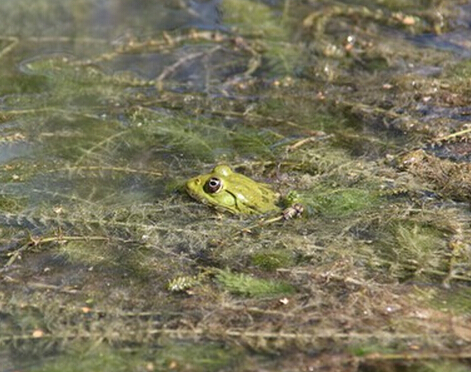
213	185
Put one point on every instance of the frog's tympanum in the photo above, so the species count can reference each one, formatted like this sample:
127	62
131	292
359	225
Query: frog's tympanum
226	190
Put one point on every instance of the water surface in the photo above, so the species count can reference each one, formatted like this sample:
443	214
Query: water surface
107	107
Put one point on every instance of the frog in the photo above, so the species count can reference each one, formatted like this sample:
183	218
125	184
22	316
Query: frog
226	190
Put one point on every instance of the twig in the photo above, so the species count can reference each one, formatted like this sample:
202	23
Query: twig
13	42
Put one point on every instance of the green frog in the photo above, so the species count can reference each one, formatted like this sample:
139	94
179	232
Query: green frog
233	192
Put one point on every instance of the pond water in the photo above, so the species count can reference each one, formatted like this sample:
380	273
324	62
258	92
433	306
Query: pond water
108	107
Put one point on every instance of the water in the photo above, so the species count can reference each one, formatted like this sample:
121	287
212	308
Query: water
107	107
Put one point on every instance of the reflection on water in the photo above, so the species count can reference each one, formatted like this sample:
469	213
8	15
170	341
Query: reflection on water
13	151
108	19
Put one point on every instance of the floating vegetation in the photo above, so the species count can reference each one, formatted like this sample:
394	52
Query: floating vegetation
338	202
273	259
247	285
450	179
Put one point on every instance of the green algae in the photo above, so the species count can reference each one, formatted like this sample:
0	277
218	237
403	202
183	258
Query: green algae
247	285
271	260
338	202
417	251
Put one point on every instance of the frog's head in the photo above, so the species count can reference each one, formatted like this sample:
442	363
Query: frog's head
233	192
214	189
